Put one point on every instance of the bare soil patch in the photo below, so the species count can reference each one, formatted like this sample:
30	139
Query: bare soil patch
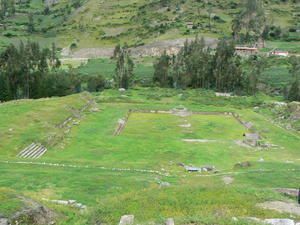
227	180
283	207
152	49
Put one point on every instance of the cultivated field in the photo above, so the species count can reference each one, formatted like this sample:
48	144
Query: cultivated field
144	169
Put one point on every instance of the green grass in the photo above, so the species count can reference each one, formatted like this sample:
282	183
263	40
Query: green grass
148	142
277	76
292	47
143	70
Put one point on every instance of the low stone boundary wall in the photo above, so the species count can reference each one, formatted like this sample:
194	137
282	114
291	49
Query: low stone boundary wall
35	151
122	124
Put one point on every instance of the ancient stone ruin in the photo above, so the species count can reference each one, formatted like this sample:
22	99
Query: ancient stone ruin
33	151
252	139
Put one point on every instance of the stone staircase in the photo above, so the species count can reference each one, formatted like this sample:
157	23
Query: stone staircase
33	151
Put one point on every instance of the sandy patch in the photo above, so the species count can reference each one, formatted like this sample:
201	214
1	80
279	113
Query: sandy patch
227	180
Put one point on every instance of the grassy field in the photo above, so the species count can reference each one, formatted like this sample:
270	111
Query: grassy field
143	70
101	170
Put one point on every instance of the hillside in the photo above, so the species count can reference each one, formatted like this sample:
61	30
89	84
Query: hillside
98	23
145	166
149	112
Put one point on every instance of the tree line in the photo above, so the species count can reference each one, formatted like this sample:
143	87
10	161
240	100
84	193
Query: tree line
197	66
293	93
221	69
29	71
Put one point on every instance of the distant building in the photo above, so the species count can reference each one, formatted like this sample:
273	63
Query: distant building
280	53
189	25
240	50
219	94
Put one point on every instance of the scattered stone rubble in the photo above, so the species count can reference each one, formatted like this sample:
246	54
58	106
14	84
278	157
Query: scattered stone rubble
281	206
188	125
170	221
162	183
207	168
127	220
273	221
71	203
4	221
242	164
32	212
288	191
227	180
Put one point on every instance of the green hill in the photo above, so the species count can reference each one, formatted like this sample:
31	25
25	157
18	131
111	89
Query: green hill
143	166
91	23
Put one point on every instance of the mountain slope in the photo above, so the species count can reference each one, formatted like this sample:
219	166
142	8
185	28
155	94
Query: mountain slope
93	23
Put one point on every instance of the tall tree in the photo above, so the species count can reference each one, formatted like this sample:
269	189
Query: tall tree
24	73
294	92
30	25
162	71
256	66
124	67
226	67
251	20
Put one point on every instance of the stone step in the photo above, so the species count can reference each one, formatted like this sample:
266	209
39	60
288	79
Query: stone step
28	148
34	152
39	153
42	153
25	149
28	151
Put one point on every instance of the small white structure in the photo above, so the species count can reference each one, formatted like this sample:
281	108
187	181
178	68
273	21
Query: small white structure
189	25
242	50
279	53
279	221
127	220
170	221
219	94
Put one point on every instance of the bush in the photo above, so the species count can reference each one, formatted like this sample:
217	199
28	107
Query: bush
95	83
73	45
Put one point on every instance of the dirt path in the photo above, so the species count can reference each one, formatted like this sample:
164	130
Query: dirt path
152	49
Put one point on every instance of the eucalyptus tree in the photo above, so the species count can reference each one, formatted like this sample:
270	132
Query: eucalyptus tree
251	20
124	67
162	68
